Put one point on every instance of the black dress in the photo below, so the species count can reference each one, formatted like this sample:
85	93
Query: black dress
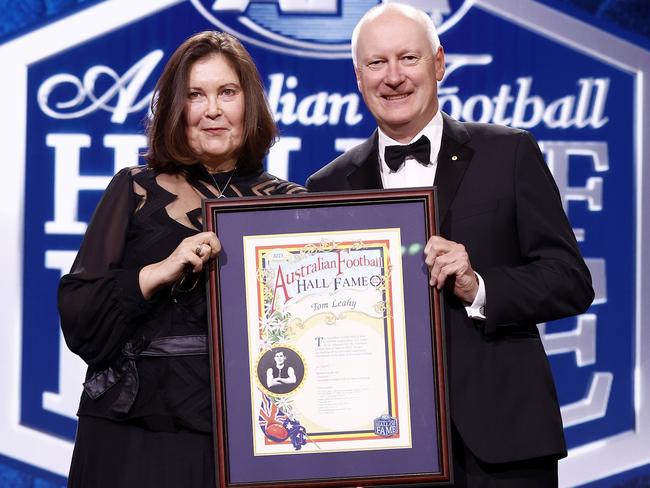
144	416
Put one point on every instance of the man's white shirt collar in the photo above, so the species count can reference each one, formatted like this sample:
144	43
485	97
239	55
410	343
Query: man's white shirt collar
412	173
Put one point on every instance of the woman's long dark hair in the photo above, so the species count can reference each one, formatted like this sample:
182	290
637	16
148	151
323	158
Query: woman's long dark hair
169	150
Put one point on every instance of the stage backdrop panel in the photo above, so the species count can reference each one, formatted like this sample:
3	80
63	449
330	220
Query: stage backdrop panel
75	96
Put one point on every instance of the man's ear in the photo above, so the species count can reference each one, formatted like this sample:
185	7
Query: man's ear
439	63
357	73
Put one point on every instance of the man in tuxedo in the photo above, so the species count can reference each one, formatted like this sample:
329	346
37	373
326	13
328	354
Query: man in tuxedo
506	258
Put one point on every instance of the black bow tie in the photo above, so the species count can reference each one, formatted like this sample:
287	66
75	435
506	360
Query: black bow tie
419	150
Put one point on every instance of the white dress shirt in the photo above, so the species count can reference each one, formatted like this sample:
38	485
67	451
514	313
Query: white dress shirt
412	173
415	174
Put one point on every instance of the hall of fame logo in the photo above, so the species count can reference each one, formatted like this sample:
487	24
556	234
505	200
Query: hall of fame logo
73	107
311	28
385	425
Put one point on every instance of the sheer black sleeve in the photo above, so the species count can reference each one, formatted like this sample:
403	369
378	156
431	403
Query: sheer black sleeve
98	299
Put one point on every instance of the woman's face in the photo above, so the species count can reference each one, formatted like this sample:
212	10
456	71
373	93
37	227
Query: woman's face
214	112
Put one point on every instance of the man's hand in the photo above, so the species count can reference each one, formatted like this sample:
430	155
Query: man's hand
449	265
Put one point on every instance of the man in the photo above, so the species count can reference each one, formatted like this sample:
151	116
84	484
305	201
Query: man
506	259
280	374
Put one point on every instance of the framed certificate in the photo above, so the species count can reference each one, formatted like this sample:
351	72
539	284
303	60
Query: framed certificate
326	341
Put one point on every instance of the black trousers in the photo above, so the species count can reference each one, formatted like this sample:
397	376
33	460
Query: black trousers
471	472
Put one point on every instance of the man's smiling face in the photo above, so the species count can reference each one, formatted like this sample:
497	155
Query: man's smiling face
397	73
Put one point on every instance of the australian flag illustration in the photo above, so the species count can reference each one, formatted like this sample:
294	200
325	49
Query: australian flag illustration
278	427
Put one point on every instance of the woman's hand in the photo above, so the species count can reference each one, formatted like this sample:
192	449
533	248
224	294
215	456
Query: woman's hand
194	251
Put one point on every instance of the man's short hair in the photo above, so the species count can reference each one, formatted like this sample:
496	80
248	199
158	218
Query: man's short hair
408	11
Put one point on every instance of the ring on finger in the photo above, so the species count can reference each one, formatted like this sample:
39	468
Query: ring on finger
199	250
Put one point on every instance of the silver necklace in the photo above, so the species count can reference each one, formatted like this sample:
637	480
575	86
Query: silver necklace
221	192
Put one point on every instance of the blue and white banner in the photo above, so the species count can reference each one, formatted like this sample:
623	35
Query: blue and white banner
75	95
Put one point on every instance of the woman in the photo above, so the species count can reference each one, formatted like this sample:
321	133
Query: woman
127	308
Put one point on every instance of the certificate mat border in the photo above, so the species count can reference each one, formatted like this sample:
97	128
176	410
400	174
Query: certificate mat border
212	209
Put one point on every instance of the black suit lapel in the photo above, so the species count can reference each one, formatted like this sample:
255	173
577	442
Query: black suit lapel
365	172
453	159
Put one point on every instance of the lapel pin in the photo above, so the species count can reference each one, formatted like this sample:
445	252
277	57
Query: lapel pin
454	157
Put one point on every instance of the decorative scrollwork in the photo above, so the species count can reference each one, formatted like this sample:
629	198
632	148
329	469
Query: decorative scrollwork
124	91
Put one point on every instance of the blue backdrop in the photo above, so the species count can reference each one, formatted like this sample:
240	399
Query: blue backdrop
78	81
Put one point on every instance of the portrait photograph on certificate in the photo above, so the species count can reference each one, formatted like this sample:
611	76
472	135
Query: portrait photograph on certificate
326	342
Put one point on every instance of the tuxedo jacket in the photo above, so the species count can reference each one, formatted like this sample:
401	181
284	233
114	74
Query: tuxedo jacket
497	197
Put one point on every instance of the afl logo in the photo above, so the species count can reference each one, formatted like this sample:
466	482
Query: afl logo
310	28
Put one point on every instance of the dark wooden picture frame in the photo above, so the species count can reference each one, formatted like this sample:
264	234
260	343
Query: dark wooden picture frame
428	460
